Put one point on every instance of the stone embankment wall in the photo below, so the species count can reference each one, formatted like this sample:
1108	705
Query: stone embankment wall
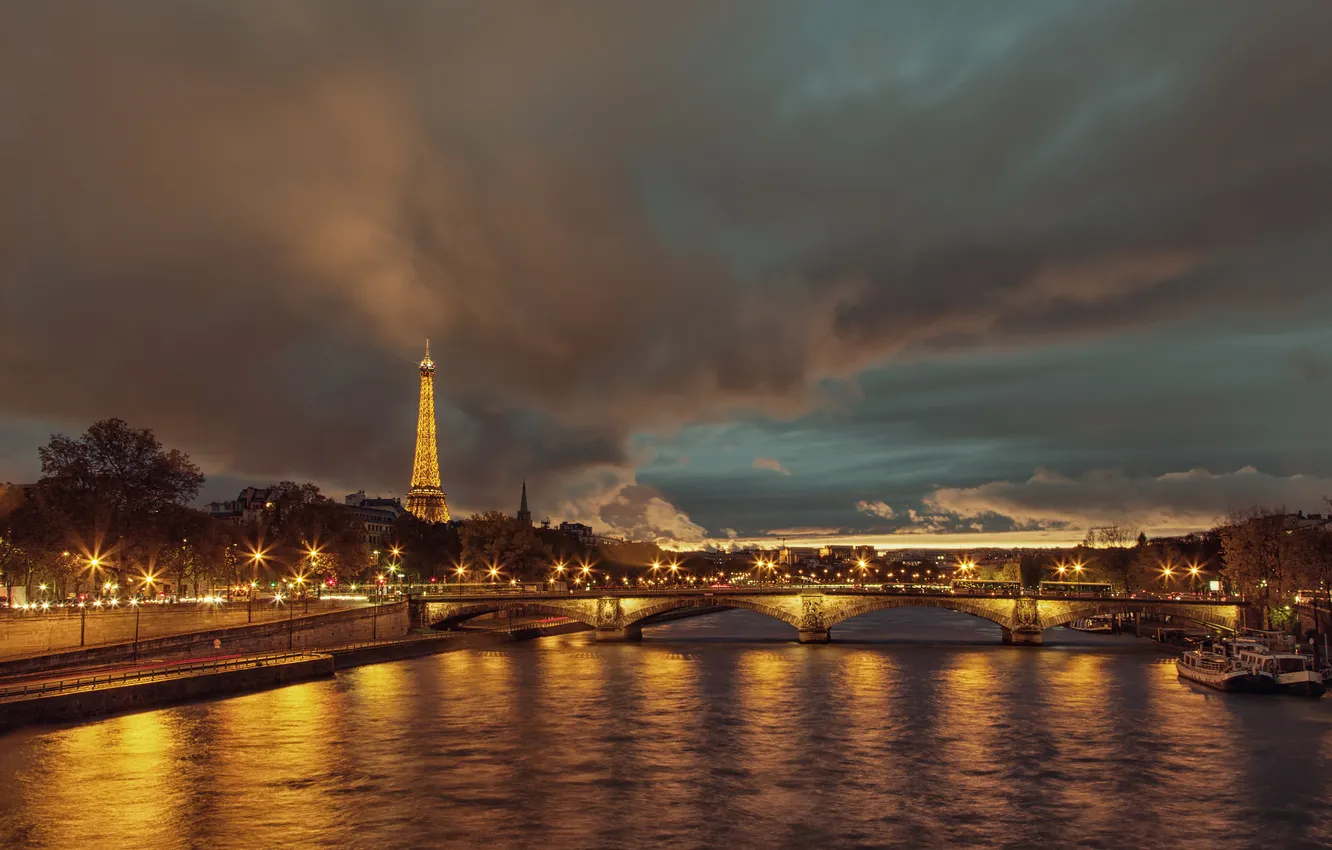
313	632
76	705
26	633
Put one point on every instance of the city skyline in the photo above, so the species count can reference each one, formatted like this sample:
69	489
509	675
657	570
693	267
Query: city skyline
828	274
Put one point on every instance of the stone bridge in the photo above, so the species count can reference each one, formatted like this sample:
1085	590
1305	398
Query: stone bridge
618	615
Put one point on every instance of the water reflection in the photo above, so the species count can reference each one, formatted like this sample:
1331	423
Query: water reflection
716	731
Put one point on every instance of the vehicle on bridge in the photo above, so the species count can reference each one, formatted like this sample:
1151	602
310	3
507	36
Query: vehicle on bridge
1076	589
993	588
904	588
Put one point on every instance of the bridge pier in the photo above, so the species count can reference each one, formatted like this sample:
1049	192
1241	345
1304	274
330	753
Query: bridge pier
614	635
1017	638
814	636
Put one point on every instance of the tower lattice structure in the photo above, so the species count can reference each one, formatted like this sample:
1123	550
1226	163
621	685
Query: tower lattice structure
425	499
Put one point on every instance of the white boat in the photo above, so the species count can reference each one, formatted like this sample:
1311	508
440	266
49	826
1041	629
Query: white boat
1281	672
1104	625
1215	671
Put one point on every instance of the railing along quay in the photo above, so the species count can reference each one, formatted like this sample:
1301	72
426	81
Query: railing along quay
175	670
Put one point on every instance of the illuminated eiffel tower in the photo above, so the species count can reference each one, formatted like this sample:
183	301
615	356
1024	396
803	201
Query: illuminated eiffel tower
425	499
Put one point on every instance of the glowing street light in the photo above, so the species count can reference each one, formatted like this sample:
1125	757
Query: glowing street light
1167	573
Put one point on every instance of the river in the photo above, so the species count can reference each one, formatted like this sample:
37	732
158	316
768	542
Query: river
916	728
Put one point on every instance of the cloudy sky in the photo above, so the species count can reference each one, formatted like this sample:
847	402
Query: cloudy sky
910	272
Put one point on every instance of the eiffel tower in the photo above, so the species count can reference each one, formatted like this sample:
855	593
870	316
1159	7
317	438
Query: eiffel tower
425	499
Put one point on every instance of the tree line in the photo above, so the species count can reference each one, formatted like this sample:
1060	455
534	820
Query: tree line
113	508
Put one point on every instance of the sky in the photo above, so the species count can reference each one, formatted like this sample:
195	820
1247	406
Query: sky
916	274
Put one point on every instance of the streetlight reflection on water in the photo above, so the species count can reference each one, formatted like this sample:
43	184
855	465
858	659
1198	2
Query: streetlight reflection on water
955	745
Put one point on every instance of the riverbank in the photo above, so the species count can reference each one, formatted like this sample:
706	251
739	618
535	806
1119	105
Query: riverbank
75	695
85	697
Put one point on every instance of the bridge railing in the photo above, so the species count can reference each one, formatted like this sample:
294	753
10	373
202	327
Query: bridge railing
786	590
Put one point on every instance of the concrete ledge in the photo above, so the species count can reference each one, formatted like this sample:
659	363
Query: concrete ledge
356	656
245	638
157	693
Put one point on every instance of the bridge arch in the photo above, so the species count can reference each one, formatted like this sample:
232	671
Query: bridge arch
639	616
998	611
452	613
1225	617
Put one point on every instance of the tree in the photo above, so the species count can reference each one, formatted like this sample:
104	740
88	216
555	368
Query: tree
305	520
1108	535
1258	550
1031	568
428	548
495	539
112	486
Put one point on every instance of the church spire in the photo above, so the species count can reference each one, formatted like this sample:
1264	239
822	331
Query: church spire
524	515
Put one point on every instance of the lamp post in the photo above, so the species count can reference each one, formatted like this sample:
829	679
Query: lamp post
277	600
135	603
256	561
83	617
94	563
374	615
314	559
1167	572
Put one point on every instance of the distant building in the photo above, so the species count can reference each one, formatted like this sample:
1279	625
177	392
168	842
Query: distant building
837	552
1300	521
251	507
578	532
375	517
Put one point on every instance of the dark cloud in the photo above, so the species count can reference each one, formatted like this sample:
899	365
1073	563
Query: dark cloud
236	222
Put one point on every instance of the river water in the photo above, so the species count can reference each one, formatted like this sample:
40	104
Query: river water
916	729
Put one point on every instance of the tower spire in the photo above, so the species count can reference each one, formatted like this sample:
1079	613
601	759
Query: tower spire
425	499
524	515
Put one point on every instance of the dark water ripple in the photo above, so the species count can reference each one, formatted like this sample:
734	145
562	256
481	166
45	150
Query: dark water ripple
715	732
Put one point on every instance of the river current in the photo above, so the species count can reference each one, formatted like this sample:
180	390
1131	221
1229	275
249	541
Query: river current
916	728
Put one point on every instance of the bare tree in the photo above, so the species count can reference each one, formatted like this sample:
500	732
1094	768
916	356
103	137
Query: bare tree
1258	556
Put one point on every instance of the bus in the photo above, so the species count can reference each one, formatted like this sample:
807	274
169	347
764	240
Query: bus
992	588
1076	588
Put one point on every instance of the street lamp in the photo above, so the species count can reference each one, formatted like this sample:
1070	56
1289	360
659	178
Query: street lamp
461	572
1167	573
94	564
291	613
256	561
135	603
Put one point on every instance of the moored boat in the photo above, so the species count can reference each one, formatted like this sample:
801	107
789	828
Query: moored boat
1215	671
1278	671
1099	624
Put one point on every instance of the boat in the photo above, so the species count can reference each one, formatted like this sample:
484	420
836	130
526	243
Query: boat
1099	624
1216	671
1286	672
